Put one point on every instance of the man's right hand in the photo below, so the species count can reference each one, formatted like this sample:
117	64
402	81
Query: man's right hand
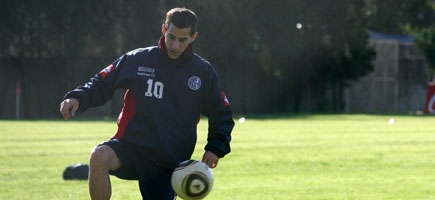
68	107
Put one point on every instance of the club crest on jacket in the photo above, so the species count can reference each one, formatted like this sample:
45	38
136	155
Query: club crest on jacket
194	83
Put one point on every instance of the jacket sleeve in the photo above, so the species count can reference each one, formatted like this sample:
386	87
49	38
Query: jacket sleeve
100	88
220	117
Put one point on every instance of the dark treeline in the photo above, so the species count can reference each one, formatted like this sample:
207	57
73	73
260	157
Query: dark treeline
273	56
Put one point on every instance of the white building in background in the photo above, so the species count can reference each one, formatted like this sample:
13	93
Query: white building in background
398	83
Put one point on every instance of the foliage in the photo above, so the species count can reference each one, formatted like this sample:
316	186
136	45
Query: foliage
399	16
425	42
407	17
294	52
73	28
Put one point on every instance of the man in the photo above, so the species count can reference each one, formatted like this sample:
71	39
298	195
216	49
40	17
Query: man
167	87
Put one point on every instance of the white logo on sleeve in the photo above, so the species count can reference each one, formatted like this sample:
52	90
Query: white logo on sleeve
194	83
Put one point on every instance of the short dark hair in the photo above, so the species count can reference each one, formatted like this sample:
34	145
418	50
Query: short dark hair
182	18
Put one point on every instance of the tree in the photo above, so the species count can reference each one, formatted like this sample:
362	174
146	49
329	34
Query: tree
407	17
69	41
347	53
399	16
425	42
292	56
327	47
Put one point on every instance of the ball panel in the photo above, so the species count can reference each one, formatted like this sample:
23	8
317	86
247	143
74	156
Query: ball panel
196	185
185	164
192	180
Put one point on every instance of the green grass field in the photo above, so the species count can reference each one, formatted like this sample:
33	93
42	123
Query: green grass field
320	157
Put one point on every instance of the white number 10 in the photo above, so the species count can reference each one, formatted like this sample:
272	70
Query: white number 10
154	88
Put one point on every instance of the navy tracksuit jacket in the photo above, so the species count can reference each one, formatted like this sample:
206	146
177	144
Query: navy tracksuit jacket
163	102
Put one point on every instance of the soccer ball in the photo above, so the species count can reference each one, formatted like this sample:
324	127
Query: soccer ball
192	179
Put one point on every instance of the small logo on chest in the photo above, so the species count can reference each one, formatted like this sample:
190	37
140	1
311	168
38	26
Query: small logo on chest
194	83
146	71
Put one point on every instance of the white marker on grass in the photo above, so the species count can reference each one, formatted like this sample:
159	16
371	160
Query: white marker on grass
242	120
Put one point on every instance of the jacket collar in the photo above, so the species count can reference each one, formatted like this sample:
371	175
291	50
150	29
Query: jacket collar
186	53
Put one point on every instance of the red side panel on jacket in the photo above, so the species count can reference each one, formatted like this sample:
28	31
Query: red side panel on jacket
127	113
225	99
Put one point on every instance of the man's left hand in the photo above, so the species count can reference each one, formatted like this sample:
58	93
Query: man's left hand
210	159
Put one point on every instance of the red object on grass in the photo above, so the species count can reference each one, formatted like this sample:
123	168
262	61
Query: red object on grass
429	106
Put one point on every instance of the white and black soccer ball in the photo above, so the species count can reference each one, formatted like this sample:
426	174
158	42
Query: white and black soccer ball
192	179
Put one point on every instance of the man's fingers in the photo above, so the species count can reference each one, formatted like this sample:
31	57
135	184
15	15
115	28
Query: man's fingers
212	164
210	159
68	108
73	109
63	109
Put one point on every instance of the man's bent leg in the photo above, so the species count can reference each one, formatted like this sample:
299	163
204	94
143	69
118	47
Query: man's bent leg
103	159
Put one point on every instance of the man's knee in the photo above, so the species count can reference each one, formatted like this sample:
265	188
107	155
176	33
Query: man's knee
104	156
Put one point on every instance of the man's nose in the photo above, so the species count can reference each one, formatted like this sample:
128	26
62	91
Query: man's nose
175	45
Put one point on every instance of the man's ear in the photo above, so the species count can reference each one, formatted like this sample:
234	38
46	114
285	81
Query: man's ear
194	36
163	29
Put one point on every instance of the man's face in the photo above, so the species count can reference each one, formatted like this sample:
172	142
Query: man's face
177	40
